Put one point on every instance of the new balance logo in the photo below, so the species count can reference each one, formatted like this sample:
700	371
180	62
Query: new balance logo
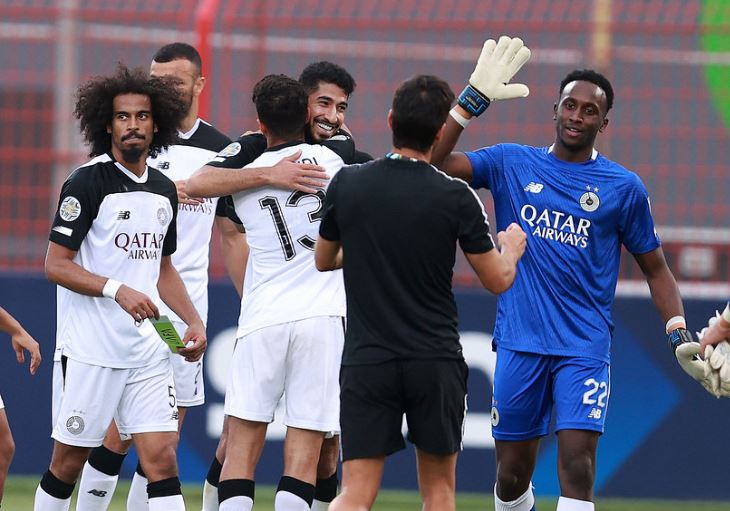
98	493
123	215
595	413
534	187
163	165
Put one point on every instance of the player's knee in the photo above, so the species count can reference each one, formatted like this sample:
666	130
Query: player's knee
512	480
159	462
67	466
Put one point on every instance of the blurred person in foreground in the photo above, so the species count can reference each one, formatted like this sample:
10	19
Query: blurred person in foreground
329	88
21	342
554	326
197	142
110	251
402	353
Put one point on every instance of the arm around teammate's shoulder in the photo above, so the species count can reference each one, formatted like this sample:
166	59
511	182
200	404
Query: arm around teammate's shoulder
497	269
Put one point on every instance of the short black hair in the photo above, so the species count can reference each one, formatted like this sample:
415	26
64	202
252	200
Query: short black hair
327	72
590	75
281	105
95	107
420	107
175	51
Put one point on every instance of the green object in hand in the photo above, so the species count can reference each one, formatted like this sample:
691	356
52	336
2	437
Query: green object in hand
167	333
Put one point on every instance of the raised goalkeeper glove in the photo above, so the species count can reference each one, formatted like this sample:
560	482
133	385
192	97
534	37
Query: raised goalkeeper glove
688	355
497	64
717	368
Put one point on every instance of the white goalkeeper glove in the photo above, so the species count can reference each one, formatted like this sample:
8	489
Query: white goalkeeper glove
688	355
717	362
497	64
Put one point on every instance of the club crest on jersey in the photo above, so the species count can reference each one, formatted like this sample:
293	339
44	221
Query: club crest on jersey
163	216
590	201
70	209
75	425
230	150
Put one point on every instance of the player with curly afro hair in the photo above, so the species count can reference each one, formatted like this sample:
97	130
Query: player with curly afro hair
94	107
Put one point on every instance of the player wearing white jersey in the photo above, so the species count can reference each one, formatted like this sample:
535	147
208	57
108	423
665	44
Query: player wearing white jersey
329	87
21	341
196	144
111	241
291	328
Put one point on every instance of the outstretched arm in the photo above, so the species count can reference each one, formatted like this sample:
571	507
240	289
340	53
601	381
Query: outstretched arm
210	181
498	63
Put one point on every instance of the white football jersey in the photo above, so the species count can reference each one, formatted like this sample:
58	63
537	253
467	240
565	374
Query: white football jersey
194	222
120	226
282	284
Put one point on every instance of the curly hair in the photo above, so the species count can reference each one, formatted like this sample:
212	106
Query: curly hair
95	101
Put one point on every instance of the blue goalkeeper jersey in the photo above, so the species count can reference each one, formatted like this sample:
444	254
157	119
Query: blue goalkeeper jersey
576	216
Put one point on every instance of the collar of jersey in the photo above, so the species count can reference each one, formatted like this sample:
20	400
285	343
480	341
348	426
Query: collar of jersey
285	144
594	155
188	134
131	175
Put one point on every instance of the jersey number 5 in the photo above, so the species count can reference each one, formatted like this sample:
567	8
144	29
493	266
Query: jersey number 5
282	231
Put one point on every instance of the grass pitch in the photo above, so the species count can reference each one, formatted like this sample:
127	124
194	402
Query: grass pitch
19	492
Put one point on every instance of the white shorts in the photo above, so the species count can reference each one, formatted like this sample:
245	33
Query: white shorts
188	375
140	400
301	359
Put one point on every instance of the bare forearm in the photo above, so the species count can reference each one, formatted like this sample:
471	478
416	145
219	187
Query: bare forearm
446	145
70	275
173	293
235	255
665	295
217	182
9	324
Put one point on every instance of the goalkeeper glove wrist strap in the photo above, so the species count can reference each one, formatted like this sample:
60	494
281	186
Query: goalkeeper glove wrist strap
679	336
473	101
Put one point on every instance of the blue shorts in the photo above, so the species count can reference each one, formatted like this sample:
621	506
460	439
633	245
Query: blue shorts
528	385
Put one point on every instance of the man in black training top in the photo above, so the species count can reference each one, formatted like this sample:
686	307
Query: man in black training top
402	352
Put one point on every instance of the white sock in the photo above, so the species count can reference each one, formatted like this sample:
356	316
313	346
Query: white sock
171	503
318	505
525	502
285	501
566	504
45	502
238	503
96	489
137	498
210	497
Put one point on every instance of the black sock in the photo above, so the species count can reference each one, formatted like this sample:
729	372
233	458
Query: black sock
214	472
54	487
106	461
165	488
236	488
301	489
326	489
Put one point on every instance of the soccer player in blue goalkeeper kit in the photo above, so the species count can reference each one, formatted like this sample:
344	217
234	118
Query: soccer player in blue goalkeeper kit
554	327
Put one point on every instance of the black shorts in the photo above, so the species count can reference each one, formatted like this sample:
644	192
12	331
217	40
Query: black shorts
373	398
